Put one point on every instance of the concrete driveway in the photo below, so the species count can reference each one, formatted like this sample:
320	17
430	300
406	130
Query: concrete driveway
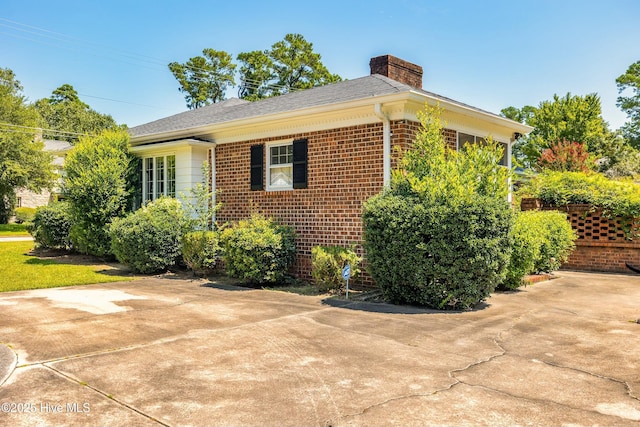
170	352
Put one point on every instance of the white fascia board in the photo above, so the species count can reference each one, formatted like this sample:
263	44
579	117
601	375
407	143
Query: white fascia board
169	145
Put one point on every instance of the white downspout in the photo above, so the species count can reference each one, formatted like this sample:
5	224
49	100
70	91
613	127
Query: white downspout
386	144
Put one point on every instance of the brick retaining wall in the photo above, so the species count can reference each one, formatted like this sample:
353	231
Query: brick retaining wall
603	244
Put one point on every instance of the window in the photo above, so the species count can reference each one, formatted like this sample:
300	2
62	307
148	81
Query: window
465	138
280	171
286	167
159	177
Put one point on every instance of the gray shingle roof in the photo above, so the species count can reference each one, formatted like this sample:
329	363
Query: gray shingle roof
237	109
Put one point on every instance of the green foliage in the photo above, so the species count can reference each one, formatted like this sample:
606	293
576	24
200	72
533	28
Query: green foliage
149	239
630	82
522	115
558	241
96	187
64	111
446	256
51	225
200	250
541	241
440	235
616	198
571	118
23	163
327	263
24	214
204	79
198	204
258	249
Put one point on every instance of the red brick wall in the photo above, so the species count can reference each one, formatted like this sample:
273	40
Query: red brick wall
603	243
344	170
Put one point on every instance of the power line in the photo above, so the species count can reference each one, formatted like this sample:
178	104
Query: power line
32	129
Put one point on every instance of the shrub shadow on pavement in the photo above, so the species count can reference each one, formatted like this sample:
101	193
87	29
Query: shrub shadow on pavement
382	307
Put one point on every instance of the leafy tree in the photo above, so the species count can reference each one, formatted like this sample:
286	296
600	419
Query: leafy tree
297	66
256	74
571	118
204	79
565	156
23	163
64	111
96	187
521	115
630	81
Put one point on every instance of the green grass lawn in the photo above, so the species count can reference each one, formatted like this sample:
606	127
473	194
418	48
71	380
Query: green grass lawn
19	270
13	230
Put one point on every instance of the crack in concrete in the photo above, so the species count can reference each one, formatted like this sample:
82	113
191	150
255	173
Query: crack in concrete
105	394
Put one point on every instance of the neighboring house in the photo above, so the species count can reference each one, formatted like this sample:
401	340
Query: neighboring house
30	199
309	158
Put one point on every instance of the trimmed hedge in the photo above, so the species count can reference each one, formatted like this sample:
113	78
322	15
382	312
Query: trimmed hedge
51	225
327	263
542	241
149	239
445	256
24	215
258	249
200	250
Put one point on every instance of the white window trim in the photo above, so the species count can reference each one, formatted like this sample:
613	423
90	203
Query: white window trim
154	176
269	146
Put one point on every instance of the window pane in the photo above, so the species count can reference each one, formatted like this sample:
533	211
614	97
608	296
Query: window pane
465	138
281	176
281	154
148	179
171	176
159	176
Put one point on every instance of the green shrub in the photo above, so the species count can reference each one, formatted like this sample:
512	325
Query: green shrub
439	255
149	239
96	187
200	250
258	250
558	243
51	225
541	241
327	264
24	215
615	197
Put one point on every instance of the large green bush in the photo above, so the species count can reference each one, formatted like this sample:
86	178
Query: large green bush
442	256
50	226
24	215
149	239
541	241
440	235
200	250
258	249
96	187
327	263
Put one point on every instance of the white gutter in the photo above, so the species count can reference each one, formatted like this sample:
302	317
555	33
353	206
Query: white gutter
386	144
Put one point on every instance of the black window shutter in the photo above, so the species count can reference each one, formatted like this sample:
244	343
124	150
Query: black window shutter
300	163
257	166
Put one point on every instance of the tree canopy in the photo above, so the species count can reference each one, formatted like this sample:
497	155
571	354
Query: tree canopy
23	163
289	65
64	111
572	118
630	82
204	79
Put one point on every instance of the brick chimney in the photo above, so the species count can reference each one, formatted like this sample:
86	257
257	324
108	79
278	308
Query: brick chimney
397	69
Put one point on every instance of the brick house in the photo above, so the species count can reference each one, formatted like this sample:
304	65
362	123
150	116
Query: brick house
309	158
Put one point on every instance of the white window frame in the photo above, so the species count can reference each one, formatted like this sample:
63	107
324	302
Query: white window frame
146	197
269	165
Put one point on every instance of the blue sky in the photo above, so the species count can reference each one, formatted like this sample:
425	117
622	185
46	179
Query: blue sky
489	54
